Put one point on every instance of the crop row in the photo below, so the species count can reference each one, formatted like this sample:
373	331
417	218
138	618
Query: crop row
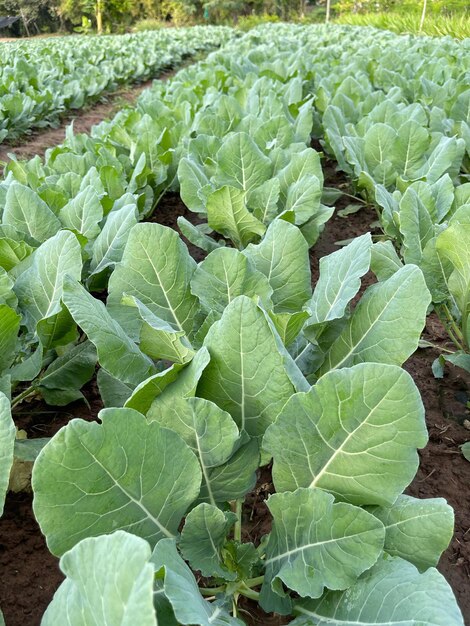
209	370
42	79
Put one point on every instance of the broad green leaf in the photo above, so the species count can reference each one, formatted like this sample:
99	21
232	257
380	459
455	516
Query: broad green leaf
416	224
225	274
340	280
410	147
116	352
83	213
109	245
227	214
120	474
312	229
263	201
145	393
40	288
7	295
57	331
28	449
203	537
113	392
453	245
30	366
355	433
417	530
156	268
458	358
241	164
350	209
60	397
316	543
25	211
174	383
235	478
446	157
392	593
379	141
282	256
9	327
294	373
246	375
436	270
71	370
192	179
466	450
384	260
109	581
303	198
300	165
210	432
7	444
386	324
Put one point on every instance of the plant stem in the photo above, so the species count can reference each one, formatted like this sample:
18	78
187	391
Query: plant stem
211	591
243	590
449	324
453	324
350	195
237	531
29	391
245	585
429	344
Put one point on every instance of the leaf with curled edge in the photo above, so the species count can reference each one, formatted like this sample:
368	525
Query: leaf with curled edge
386	325
316	543
355	434
392	593
120	474
416	529
86	596
282	256
157	269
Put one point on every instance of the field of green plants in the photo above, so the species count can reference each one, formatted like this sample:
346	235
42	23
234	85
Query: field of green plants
44	78
224	367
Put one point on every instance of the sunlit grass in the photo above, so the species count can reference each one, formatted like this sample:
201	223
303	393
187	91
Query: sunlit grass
436	25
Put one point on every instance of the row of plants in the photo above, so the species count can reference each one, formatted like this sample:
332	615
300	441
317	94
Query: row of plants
209	370
402	132
43	78
405	141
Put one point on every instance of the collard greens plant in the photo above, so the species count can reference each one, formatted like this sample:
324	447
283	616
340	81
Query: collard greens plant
165	476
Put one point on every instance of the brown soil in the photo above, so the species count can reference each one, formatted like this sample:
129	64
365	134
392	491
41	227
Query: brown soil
28	566
30	573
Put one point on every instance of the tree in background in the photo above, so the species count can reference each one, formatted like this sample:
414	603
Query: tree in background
121	15
112	15
28	10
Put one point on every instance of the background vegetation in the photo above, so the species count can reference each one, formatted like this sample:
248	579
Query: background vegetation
45	16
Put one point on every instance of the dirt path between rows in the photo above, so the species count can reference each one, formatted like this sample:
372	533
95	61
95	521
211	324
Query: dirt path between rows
31	574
